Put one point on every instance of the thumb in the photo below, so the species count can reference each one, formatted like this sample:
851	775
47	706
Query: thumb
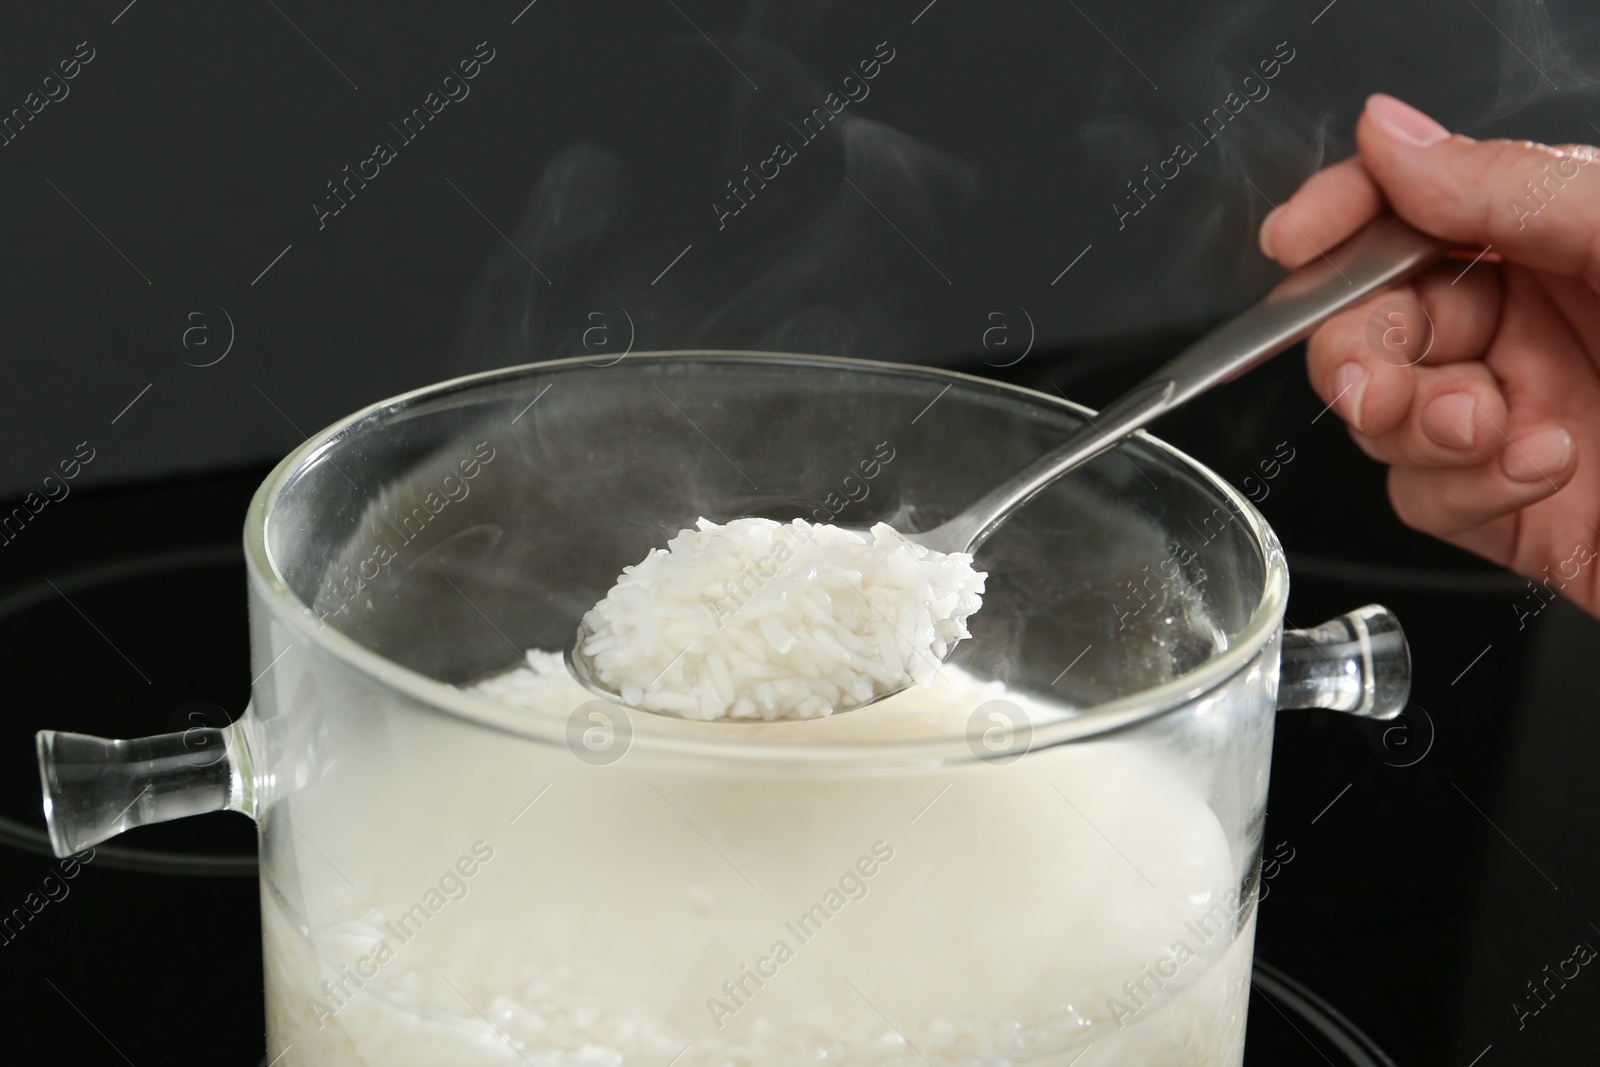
1537	205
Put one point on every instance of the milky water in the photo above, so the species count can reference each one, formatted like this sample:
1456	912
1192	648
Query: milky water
1078	906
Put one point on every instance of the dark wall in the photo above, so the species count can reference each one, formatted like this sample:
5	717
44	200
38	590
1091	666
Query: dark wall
167	203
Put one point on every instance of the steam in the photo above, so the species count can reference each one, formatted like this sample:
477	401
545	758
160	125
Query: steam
616	251
578	206
1198	233
1534	65
815	295
813	262
1247	140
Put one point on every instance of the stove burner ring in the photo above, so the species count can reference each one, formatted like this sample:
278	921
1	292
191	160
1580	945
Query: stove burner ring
1291	999
30	839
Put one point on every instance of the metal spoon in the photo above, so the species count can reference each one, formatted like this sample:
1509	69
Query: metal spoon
1383	253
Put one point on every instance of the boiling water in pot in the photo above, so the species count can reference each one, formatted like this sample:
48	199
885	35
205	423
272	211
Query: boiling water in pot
1086	900
1139	950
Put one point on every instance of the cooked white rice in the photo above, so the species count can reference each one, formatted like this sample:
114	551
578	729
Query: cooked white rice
764	620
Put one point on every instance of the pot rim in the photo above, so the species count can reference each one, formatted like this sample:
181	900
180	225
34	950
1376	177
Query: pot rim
300	621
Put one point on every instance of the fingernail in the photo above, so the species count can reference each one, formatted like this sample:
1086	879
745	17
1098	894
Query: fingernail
1447	420
1400	120
1538	455
1266	234
1349	382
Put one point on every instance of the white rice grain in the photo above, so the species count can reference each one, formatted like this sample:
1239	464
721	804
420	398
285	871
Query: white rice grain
764	620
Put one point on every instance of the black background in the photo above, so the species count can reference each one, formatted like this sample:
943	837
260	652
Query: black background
996	142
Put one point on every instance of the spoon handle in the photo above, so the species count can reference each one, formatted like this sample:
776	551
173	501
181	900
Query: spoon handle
1383	253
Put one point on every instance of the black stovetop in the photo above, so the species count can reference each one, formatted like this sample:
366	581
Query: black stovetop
1421	874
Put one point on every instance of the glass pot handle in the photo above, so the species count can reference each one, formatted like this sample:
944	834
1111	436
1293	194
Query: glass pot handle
95	788
1358	662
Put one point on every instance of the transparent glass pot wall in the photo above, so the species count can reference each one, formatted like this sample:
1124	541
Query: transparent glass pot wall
1056	866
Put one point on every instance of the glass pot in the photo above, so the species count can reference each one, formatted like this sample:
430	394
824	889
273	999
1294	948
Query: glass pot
1051	857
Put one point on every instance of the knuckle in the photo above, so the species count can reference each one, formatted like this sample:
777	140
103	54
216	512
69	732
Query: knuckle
1387	401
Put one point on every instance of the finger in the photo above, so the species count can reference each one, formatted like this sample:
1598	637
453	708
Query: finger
1575	301
1452	501
1537	205
1332	204
1372	395
1544	370
1457	419
1463	310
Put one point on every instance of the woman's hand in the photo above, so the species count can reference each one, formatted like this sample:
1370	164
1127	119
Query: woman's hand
1493	437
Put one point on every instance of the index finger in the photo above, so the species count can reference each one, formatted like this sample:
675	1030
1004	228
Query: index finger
1533	203
1333	203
